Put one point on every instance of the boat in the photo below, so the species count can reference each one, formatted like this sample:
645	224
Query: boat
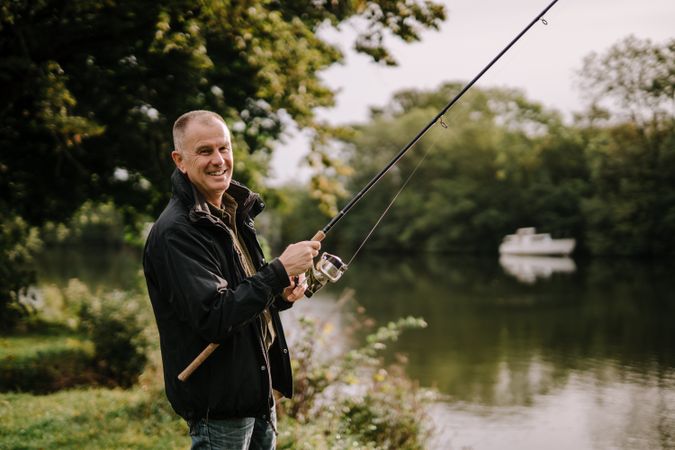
526	241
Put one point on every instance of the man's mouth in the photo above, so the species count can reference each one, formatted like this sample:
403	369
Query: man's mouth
217	173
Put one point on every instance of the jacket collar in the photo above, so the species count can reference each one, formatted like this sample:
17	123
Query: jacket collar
249	202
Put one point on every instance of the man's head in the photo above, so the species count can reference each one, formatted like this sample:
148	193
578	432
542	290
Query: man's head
203	151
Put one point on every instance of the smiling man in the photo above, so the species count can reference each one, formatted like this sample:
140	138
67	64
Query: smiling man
209	282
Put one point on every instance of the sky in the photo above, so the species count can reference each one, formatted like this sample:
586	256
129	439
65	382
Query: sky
543	63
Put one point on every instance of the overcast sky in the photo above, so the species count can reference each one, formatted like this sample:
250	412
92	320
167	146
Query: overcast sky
543	63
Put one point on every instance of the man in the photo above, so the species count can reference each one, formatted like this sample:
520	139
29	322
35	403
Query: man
208	282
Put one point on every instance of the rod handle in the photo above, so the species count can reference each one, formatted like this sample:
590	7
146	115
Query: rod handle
185	374
318	236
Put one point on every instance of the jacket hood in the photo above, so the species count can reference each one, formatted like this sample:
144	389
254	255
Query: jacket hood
249	203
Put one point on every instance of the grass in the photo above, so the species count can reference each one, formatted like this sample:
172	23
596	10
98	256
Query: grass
46	361
29	346
82	418
95	418
386	414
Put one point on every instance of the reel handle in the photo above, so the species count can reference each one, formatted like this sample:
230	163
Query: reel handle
318	236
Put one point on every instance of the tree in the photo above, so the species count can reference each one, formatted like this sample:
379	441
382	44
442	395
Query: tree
92	87
634	80
631	157
503	162
90	90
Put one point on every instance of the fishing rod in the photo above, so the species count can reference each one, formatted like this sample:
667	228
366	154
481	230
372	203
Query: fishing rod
330	267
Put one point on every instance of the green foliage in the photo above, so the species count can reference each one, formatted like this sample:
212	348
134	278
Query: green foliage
631	156
18	244
299	214
95	86
91	224
110	347
115	324
91	89
357	403
633	80
45	363
351	400
91	419
503	161
98	224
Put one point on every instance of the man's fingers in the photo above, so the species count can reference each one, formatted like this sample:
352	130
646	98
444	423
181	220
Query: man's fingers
299	257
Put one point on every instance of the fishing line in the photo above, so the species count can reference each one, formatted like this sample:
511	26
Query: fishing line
322	233
330	267
403	186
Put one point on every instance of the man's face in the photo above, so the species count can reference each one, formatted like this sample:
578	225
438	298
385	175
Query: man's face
206	158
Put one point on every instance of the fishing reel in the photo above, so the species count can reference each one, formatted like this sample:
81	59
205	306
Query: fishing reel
328	268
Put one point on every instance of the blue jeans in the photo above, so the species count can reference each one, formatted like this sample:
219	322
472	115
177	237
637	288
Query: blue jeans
247	433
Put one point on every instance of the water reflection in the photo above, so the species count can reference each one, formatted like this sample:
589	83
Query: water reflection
528	269
584	346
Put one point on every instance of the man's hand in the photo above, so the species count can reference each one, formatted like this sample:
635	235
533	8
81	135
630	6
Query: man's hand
296	290
298	257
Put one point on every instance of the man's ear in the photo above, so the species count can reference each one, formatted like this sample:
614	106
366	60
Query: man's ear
177	157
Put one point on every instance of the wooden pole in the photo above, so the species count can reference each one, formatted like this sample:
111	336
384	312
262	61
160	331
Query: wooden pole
185	374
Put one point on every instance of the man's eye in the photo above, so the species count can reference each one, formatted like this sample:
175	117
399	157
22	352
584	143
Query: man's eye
224	149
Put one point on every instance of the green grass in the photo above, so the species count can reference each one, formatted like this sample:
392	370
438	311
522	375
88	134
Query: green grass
90	419
46	361
56	359
29	346
86	418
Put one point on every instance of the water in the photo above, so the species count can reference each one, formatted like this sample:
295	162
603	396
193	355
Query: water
534	353
528	354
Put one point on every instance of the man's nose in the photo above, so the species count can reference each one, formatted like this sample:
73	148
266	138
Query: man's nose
218	159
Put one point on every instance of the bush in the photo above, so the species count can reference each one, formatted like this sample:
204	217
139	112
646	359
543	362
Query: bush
116	324
49	371
93	223
18	243
352	400
111	349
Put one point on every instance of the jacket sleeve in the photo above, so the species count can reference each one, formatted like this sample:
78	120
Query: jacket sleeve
199	292
281	303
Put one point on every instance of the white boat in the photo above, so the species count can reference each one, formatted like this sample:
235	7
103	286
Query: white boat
527	241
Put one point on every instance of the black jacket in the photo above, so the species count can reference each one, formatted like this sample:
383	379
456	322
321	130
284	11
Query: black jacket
200	294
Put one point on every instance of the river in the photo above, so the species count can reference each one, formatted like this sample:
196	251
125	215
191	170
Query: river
527	354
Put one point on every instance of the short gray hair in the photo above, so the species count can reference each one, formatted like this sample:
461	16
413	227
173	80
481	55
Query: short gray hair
180	125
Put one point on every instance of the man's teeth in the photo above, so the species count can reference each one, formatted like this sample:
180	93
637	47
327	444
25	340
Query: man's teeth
220	172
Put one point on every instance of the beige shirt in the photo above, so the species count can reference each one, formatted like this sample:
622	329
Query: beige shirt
227	214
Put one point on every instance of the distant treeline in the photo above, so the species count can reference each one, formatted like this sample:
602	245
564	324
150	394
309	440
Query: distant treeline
504	161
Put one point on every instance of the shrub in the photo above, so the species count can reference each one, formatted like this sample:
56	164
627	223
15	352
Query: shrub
18	243
92	224
353	400
48	371
116	324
